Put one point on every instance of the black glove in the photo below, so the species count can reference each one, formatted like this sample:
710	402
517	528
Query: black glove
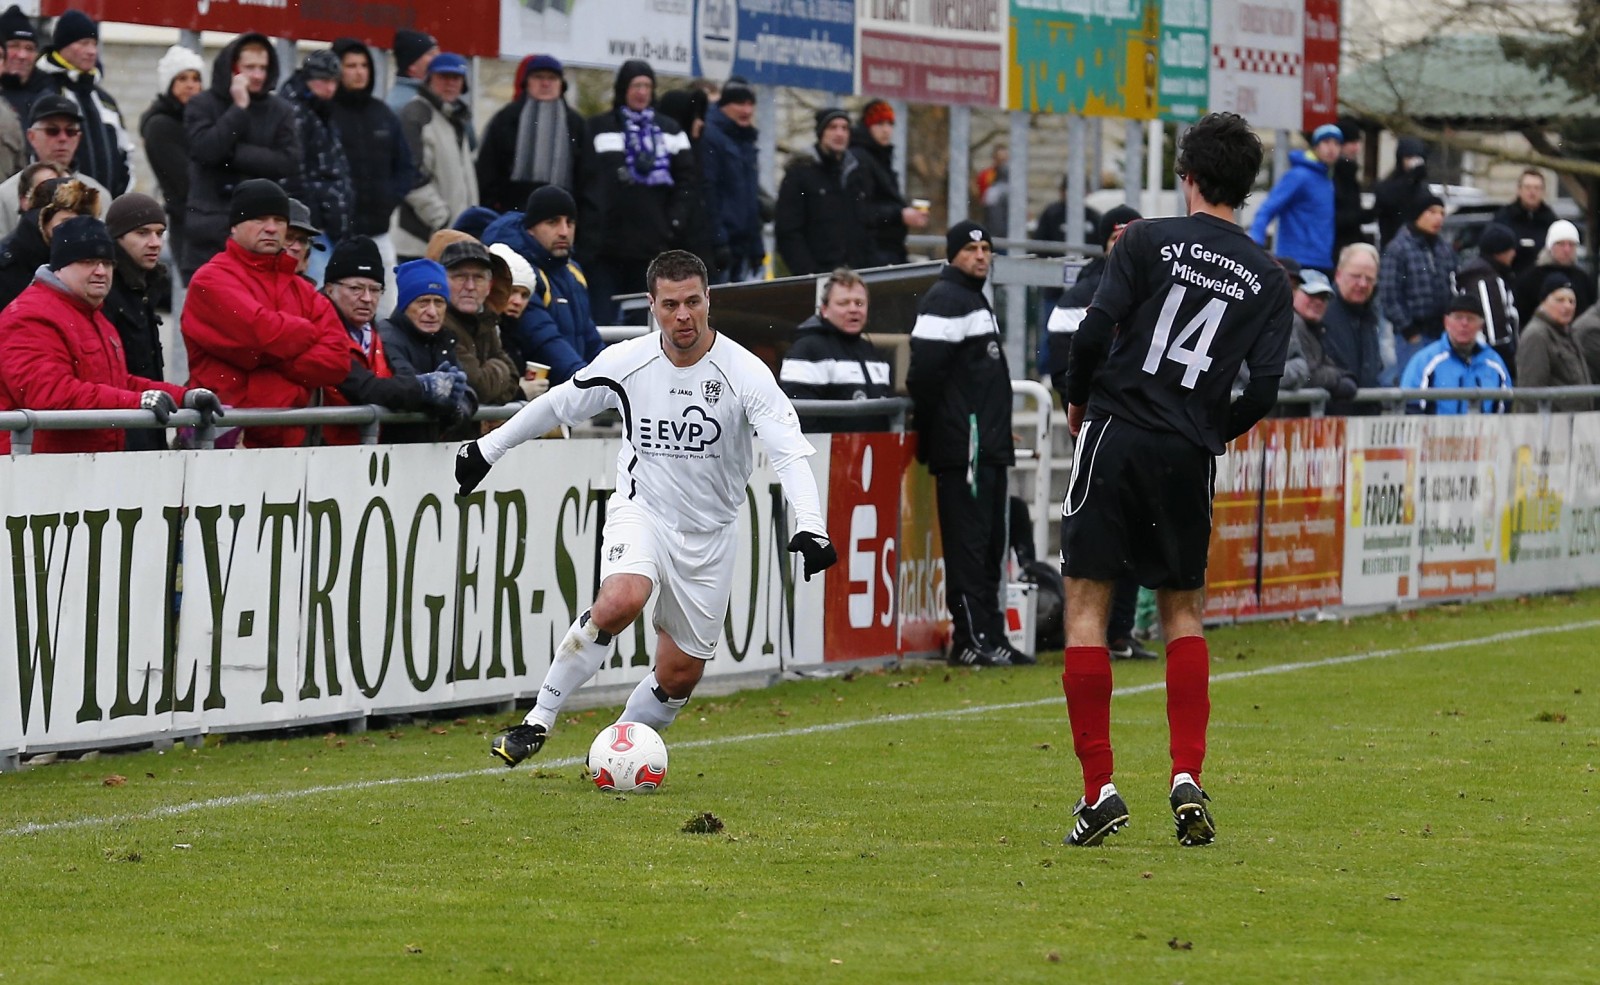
818	551
471	467
159	403
204	401
1346	388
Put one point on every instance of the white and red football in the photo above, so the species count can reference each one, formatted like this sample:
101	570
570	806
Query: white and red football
628	757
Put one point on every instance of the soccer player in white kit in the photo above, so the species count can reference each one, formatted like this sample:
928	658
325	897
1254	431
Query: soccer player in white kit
690	400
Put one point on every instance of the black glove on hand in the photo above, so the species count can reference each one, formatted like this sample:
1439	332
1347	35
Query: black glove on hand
1346	388
818	551
159	403
204	401
471	467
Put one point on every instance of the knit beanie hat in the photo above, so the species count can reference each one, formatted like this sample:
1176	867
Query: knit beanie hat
257	197
1560	231
961	234
409	46
474	220
322	64
521	270
174	63
547	202
357	256
1496	238
1468	303
15	26
82	237
1421	204
827	116
1554	282
419	278
130	212
876	112
73	26
736	90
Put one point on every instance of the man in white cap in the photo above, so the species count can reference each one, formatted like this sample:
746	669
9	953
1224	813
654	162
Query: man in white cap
1559	256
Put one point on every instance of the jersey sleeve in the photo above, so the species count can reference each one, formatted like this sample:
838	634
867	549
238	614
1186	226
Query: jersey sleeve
1271	349
774	419
590	391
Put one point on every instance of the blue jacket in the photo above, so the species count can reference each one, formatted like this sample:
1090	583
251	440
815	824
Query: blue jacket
557	328
1302	202
731	172
1437	364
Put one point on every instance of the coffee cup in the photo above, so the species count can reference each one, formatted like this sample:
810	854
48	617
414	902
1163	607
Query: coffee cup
535	371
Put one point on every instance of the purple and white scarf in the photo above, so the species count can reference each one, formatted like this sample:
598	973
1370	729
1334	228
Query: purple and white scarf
644	148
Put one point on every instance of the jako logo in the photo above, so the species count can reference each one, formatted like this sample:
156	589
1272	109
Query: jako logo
696	432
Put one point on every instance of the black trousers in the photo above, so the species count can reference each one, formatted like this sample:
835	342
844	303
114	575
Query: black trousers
973	528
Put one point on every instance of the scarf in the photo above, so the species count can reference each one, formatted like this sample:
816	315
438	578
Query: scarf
96	152
644	152
543	144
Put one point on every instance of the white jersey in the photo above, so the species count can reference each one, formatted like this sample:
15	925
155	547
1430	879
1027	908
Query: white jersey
688	457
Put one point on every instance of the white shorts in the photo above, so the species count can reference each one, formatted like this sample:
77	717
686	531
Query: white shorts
692	573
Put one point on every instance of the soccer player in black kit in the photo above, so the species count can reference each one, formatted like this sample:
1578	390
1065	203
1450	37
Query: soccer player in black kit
1183	303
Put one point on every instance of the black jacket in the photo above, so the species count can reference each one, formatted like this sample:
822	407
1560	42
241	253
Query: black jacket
130	311
322	183
1392	197
882	202
376	150
166	144
1348	215
1055	357
228	145
622	218
410	354
497	152
1530	228
22	94
21	253
1491	284
821	218
827	364
959	377
101	154
1530	282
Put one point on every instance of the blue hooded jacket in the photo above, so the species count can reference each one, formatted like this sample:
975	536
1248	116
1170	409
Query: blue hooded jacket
557	328
732	172
1437	364
1302	202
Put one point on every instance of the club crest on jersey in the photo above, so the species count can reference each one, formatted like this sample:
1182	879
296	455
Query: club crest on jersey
616	552
711	390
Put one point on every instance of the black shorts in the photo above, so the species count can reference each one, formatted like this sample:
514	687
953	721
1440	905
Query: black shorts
1139	504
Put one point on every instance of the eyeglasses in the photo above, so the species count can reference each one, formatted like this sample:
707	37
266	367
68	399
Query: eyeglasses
361	290
51	130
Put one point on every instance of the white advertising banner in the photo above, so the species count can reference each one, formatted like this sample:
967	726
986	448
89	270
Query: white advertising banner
1458	532
1535	484
1380	480
87	597
1582	520
1257	51
603	33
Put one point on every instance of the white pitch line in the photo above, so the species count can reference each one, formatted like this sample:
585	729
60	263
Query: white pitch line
245	800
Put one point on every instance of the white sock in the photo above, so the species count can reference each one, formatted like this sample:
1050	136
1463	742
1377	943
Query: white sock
650	705
577	659
1182	778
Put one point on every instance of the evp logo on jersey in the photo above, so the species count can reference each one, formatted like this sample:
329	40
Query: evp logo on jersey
695	432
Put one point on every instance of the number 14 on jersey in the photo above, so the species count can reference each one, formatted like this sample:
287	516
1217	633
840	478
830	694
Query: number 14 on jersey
1190	349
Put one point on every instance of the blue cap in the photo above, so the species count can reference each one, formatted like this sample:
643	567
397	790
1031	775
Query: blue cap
450	63
1328	131
418	278
1315	283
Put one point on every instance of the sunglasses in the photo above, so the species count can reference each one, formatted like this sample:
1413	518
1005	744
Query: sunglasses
51	130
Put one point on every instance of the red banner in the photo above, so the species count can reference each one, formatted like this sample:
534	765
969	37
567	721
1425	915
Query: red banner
930	70
1302	528
859	617
467	27
1321	66
1235	530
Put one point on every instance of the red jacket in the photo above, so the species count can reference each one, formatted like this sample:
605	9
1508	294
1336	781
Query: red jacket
261	336
57	352
377	364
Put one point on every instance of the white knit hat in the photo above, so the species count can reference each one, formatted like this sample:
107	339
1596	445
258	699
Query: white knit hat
1561	231
521	270
177	59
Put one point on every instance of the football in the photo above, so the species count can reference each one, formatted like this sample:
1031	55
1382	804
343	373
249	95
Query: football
627	757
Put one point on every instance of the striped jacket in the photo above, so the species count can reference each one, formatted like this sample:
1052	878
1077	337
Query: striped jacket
959	379
1437	364
827	364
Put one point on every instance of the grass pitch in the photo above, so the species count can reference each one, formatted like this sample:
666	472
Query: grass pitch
1424	811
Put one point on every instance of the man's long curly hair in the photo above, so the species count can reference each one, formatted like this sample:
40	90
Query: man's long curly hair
1222	156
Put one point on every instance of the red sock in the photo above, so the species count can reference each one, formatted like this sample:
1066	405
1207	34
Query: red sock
1188	702
1086	680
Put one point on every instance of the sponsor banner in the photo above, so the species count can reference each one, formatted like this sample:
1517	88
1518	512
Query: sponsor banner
86	603
1302	529
1458	502
1582	521
1535	486
1093	57
1380	544
466	27
924	618
1320	86
603	33
932	51
329	583
1183	87
808	44
1233	563
859	614
1257	47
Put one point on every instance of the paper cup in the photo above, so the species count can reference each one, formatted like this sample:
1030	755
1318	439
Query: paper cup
535	371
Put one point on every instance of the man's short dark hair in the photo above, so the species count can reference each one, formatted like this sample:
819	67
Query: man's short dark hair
1531	173
1222	156
842	277
674	265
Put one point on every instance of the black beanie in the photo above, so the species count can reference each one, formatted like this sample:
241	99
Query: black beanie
357	256
736	90
409	46
547	202
82	237
961	234
1421	204
1496	238
827	116
72	26
1552	283
131	211
15	26
255	198
1119	215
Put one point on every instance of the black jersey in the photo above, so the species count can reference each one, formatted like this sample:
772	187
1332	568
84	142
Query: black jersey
1192	299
